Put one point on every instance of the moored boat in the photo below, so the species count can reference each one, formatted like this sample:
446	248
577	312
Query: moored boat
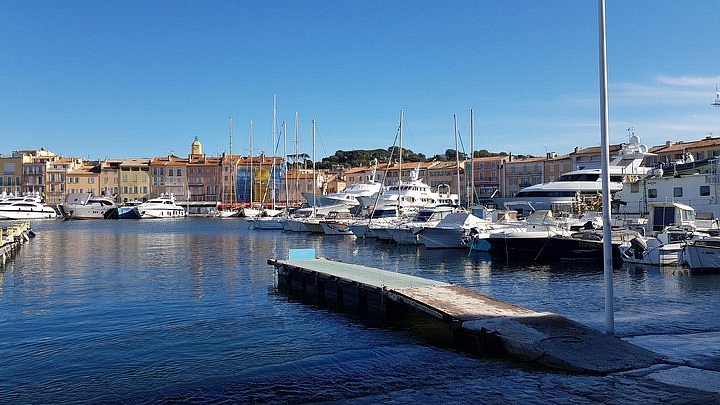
87	206
161	207
28	207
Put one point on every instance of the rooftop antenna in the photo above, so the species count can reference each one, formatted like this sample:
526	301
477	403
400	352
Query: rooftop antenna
716	103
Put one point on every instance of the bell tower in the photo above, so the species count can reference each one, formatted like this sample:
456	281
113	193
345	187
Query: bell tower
196	149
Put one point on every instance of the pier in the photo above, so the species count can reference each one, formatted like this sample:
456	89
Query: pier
11	238
481	324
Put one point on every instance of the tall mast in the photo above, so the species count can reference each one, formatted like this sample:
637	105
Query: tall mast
397	212
284	179
313	167
231	166
297	172
471	201
274	149
252	174
457	158
401	128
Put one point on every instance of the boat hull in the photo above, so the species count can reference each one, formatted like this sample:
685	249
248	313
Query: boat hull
48	213
701	258
160	213
335	228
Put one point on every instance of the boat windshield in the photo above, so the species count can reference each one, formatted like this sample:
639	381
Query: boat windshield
579	177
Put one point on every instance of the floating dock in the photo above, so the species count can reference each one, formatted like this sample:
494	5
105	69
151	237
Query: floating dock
481	324
11	238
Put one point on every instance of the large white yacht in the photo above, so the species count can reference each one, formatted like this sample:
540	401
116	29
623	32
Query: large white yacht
349	195
574	187
161	207
28	207
408	195
87	206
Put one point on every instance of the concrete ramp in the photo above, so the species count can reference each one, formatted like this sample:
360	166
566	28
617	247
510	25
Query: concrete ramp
542	337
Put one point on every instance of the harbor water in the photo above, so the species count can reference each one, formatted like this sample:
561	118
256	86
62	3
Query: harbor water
188	310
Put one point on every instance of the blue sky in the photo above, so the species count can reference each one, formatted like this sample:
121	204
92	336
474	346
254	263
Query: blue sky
99	79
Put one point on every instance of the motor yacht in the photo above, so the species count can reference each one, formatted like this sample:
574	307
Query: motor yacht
585	184
410	195
161	207
28	207
87	206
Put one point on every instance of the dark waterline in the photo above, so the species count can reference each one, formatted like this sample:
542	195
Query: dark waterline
188	310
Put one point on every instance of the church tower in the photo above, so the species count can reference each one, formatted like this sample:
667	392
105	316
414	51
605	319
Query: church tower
196	149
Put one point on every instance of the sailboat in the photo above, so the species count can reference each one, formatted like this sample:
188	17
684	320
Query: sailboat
250	211
276	222
226	212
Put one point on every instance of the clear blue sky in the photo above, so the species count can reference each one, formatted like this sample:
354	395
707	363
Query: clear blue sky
99	79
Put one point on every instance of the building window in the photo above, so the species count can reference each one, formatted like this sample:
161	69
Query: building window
171	172
634	188
677	192
652	193
704	191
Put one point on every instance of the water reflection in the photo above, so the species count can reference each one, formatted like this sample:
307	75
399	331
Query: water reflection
114	310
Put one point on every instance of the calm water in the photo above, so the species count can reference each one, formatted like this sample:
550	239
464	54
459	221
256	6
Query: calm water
187	310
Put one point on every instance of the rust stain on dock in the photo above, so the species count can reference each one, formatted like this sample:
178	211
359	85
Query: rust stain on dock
543	337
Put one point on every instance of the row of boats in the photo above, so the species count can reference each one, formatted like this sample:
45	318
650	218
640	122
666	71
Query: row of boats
87	206
669	236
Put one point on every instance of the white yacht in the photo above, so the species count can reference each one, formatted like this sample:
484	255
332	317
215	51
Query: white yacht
449	233
161	207
29	207
406	233
87	206
574	187
349	195
410	195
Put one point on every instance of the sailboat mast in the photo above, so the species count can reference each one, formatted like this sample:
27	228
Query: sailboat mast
297	172
401	154
471	201
313	166
457	157
232	161
274	149
252	174
284	179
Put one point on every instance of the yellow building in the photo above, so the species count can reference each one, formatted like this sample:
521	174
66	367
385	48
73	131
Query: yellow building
134	181
110	178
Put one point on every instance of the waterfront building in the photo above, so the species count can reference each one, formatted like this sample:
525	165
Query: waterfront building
55	181
169	176
518	173
300	182
706	148
84	179
265	178
35	170
134	181
556	165
205	175
110	178
11	171
486	176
